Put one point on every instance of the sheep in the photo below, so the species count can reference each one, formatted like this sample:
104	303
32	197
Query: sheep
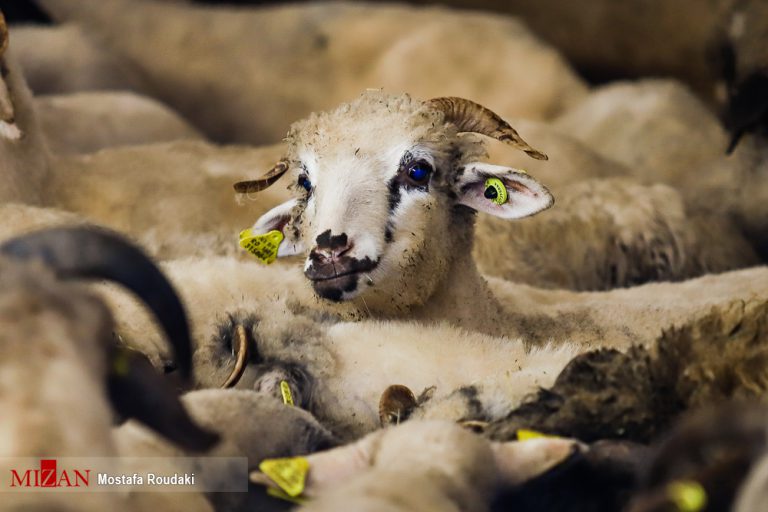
241	423
735	187
666	135
608	233
402	246
120	188
423	465
706	459
658	128
604	233
637	394
76	367
122	119
609	40
63	59
570	161
314	51
744	64
339	371
753	491
174	198
23	155
249	425
144	191
168	242
603	478
20	219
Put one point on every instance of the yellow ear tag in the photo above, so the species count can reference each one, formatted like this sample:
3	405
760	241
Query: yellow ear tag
525	435
289	474
264	247
687	495
121	364
285	389
495	191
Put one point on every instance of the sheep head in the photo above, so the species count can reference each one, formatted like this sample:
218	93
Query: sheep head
387	187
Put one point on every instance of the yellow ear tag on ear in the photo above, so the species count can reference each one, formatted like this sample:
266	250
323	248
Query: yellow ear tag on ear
525	435
264	247
289	474
285	389
687	495
495	191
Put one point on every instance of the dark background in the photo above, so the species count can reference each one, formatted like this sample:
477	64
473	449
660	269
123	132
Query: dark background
26	11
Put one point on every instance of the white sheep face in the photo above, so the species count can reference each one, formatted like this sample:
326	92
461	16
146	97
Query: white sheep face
386	193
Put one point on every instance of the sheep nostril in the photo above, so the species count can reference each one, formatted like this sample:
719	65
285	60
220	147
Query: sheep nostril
319	255
325	254
340	251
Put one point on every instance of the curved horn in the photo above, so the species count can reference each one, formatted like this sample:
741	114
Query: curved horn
96	253
280	168
241	348
469	116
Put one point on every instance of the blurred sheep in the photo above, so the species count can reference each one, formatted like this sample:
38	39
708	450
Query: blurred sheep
76	368
320	54
424	466
63	59
86	122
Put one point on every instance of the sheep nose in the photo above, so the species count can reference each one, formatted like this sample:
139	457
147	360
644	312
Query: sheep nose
331	247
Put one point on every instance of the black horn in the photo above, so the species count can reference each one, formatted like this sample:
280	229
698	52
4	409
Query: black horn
96	253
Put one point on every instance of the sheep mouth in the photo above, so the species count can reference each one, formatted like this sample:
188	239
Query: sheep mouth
338	269
340	276
332	280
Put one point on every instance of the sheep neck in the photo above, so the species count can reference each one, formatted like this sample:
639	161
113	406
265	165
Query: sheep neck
464	299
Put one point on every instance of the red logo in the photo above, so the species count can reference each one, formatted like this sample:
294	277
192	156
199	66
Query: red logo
49	476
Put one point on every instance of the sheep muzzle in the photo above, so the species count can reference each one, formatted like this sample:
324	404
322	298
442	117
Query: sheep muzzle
331	276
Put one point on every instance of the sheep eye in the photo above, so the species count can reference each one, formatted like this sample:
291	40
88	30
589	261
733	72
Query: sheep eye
419	172
305	183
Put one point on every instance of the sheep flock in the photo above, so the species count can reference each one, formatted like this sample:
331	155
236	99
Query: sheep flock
339	256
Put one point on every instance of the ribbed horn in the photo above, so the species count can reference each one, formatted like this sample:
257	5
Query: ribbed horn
469	116
241	348
280	168
96	253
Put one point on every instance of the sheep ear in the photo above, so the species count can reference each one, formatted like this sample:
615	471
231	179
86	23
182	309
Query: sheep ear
331	467
519	461
501	191
280	218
